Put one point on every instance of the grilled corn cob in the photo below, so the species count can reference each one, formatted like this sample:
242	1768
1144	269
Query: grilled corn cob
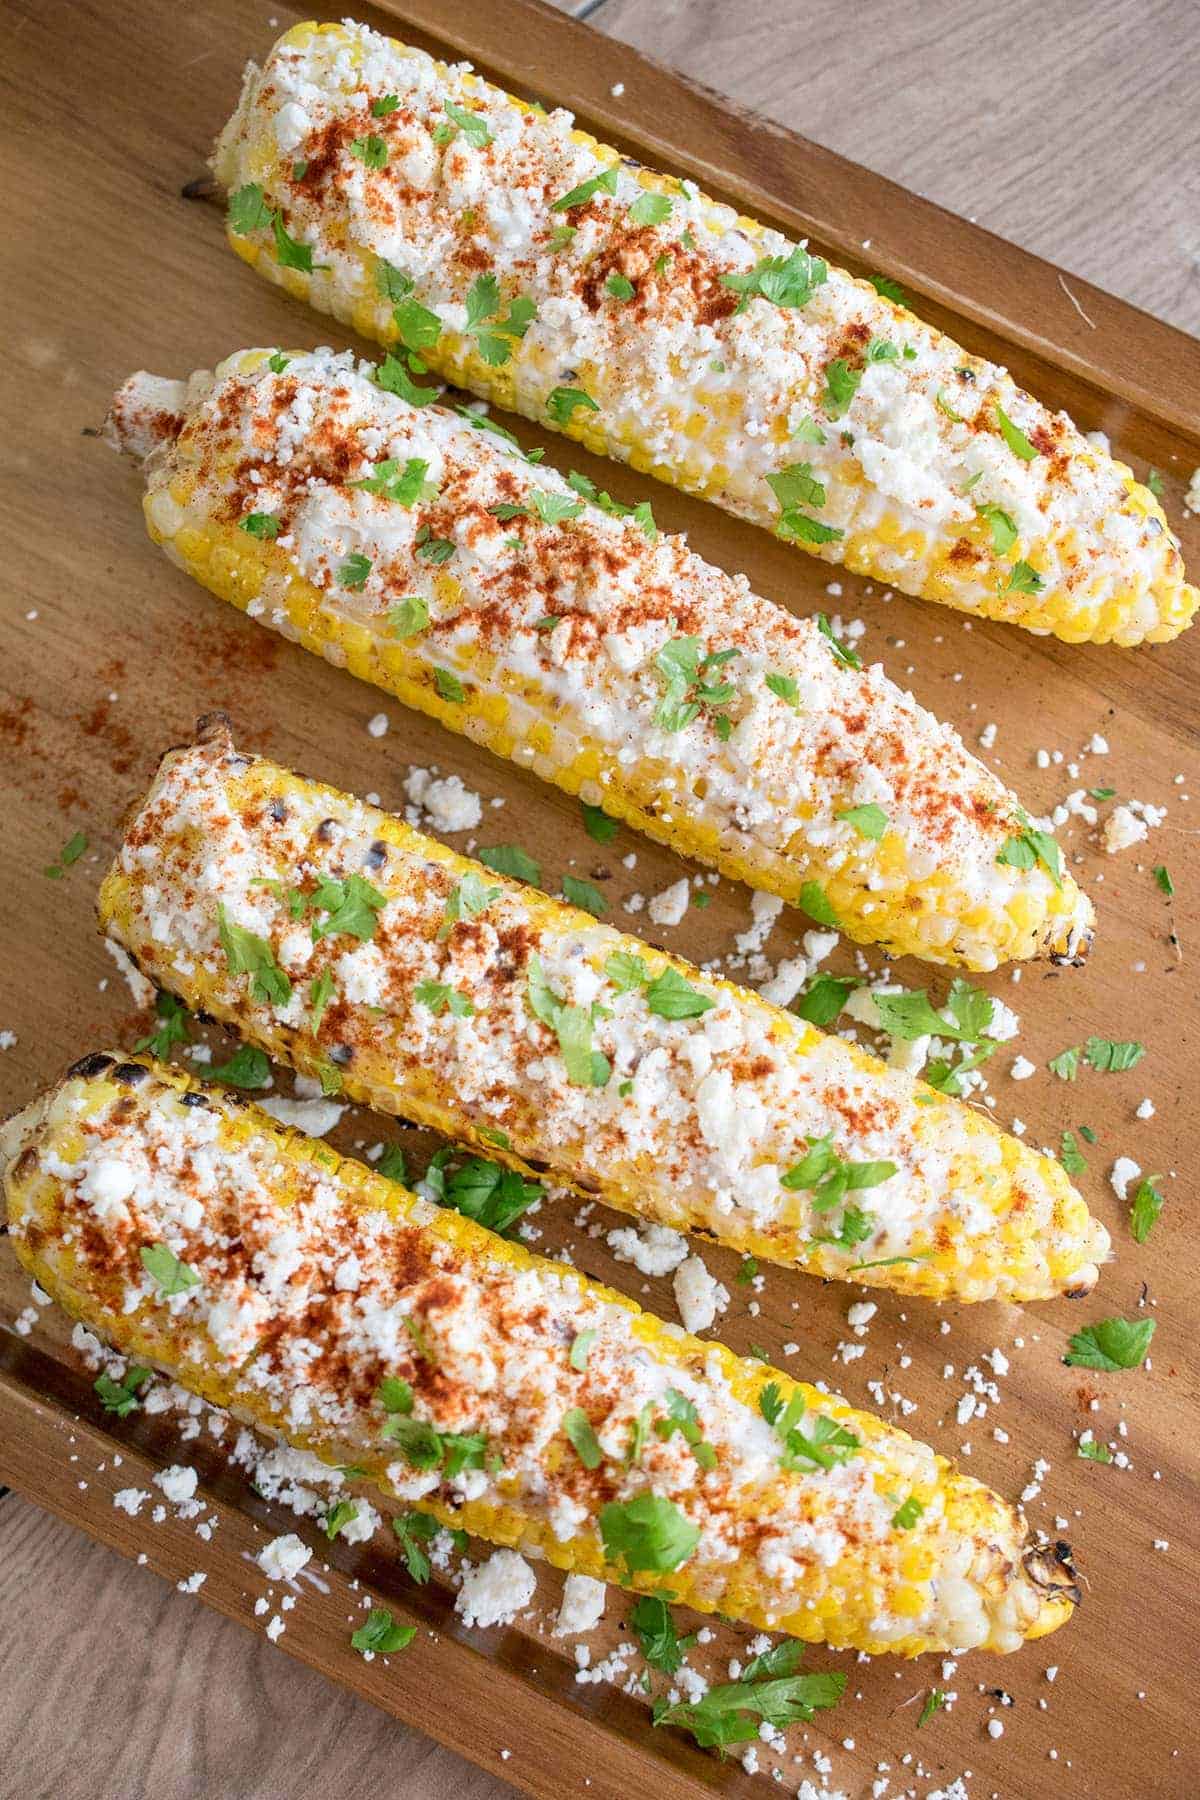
564	637
519	258
360	951
502	1391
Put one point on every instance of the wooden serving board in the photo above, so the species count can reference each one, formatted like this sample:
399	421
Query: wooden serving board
109	655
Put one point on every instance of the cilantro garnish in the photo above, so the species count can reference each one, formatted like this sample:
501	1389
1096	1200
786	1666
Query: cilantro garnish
788	281
466	901
248	954
813	900
769	1691
572	1025
869	821
259	525
472	125
824	999
584	895
1028	847
651	209
121	1397
173	1029
403	486
412	1530
510	859
372	150
1111	1344
935	1699
842	652
657	1637
841	385
597	823
1013	436
1145	1208
168	1271
246	1068
449	687
604	183
350	907
563	401
439	999
380	1636
647	1533
688	689
409	617
583	1440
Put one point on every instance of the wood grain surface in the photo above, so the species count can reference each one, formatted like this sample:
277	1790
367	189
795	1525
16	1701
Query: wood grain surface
115	1685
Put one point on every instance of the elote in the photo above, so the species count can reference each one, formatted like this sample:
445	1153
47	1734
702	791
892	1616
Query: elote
505	1393
507	251
343	942
431	558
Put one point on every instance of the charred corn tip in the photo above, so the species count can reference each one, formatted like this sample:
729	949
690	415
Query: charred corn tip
287	1283
702	1099
917	465
255	485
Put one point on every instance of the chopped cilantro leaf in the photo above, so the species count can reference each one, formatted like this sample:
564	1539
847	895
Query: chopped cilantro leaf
1013	436
584	895
1111	1344
510	859
171	1275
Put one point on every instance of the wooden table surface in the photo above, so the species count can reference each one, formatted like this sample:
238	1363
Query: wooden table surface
1065	128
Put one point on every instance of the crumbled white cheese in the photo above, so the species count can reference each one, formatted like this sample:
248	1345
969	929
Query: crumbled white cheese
764	910
582	1606
178	1483
377	724
130	1500
669	907
1021	1068
1192	498
698	1295
1145	1109
141	990
495	1591
786	982
447	803
1122	829
284	1557
653	1250
1124	1170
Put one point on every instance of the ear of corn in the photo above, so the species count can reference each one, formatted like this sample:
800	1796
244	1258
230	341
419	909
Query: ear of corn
420	982
656	326
324	1302
581	644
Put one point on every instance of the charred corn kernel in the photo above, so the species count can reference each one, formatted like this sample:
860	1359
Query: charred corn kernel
520	258
488	592
358	950
331	1306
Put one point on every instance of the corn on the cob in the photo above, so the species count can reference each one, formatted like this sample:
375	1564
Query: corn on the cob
613	662
503	1391
521	259
420	982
